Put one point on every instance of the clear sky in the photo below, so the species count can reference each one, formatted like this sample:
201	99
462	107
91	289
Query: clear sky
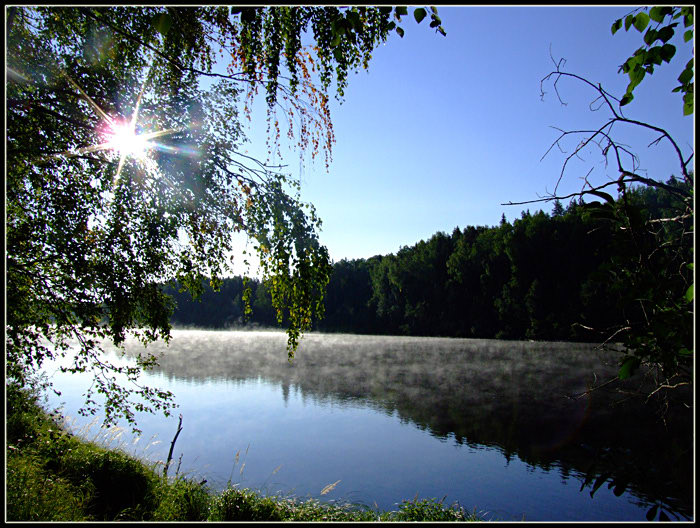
442	130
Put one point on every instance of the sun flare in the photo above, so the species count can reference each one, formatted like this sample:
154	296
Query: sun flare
120	136
124	140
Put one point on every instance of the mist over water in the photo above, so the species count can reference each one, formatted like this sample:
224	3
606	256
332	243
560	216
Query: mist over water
494	425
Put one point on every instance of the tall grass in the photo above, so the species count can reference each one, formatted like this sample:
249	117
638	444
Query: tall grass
53	475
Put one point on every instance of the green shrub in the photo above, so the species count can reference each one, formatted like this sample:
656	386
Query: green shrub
244	505
182	500
429	510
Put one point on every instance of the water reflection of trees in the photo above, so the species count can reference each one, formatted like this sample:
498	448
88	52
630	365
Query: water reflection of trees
514	396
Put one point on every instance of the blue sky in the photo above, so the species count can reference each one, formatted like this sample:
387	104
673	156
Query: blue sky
442	130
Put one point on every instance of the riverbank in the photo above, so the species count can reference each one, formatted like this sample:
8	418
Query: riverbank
53	475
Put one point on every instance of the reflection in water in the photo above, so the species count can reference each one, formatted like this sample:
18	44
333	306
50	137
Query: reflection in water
510	397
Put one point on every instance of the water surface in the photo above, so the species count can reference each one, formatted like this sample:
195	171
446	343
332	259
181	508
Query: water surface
493	425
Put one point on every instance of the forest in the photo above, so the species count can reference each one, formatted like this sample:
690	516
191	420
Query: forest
559	276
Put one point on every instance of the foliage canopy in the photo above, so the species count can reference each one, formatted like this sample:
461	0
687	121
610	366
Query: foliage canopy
126	172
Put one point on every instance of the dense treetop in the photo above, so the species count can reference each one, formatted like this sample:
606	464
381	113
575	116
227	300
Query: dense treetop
124	173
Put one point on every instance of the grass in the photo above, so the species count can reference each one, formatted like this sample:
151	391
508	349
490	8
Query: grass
55	476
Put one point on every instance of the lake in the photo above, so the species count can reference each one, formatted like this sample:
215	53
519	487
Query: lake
493	425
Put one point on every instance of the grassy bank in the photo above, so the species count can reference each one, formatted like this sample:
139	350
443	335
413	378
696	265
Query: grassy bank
55	476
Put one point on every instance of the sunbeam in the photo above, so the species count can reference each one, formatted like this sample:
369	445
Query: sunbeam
120	135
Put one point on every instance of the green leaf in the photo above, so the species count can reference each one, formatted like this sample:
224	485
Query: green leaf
419	14
616	26
688	35
636	75
401	11
689	107
629	366
656	14
665	33
654	55
162	23
628	22
685	352
641	21
667	52
248	14
690	293
650	36
688	18
400	31
336	40
686	76
354	18
626	99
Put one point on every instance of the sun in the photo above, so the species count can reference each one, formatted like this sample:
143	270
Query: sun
122	138
119	135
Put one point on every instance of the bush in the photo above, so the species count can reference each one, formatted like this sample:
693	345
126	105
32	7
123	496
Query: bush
183	500
429	510
244	505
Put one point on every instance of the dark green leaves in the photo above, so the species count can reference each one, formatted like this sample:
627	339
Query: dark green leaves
353	17
629	366
650	36
616	25
419	14
106	248
690	293
645	58
162	23
665	33
636	75
658	13
641	21
667	52
687	86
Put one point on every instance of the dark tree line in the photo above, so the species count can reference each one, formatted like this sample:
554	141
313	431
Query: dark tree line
558	276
